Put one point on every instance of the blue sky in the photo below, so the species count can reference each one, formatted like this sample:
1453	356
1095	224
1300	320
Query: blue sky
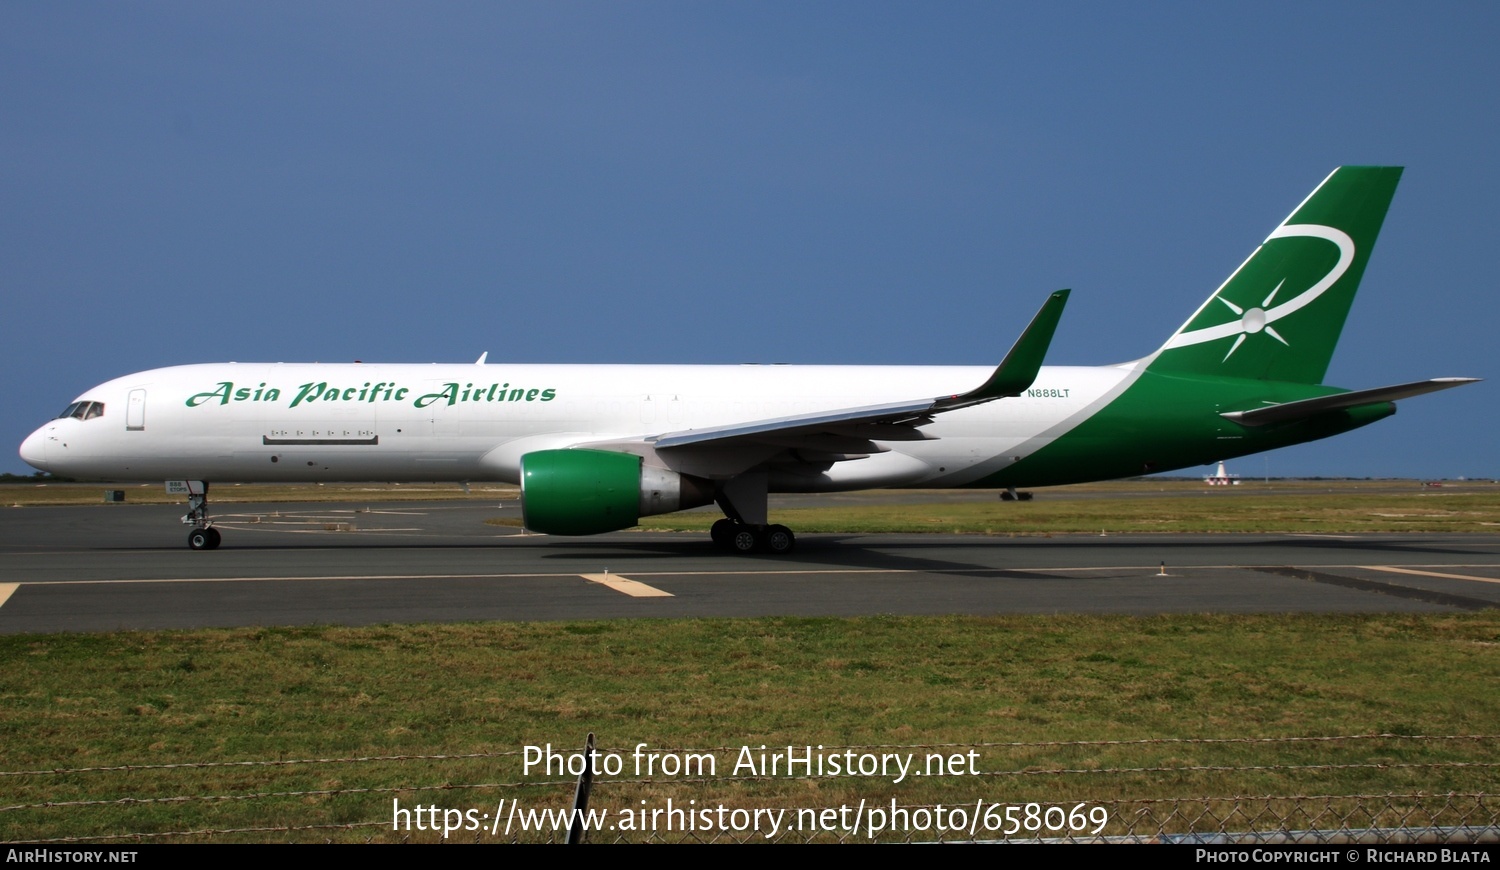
732	182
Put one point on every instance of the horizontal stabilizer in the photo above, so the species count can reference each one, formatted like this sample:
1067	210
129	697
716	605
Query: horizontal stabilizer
1308	407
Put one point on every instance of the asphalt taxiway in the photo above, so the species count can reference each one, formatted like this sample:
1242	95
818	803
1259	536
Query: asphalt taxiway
127	567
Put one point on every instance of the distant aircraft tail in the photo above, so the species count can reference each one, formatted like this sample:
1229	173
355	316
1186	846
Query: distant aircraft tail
1279	316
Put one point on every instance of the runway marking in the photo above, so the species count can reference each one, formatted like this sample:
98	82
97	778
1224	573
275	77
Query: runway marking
747	572
517	576
6	591
392	513
1395	570
627	586
251	527
1414	593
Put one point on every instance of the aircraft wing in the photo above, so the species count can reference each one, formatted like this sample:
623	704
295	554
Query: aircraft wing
895	421
1298	410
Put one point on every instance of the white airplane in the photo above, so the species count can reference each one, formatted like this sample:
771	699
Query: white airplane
594	448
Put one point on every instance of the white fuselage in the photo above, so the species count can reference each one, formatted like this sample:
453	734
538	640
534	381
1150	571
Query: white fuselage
318	422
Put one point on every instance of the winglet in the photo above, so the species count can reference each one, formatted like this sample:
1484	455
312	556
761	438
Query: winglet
1018	370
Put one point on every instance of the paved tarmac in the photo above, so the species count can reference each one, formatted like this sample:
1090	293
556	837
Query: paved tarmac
127	567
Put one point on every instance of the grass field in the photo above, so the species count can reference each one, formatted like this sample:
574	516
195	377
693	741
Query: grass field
1145	505
41	494
1242	513
1149	506
86	701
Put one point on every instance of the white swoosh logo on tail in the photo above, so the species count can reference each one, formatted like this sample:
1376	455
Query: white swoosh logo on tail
1260	319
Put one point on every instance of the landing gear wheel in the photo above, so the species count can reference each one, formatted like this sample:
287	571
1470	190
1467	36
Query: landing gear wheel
779	540
203	535
744	540
721	532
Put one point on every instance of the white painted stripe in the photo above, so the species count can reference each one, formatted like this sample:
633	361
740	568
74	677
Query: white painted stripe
747	573
521	576
6	591
1394	570
626	586
251	527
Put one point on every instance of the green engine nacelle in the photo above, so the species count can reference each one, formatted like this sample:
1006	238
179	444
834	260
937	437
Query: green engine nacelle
586	492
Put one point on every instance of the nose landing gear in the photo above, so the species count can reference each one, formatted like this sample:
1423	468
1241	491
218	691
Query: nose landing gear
203	536
206	538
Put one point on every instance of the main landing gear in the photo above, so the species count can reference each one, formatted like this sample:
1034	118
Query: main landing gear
744	528
203	536
744	538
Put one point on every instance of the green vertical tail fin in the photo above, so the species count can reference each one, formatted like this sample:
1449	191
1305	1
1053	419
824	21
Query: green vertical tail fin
1279	315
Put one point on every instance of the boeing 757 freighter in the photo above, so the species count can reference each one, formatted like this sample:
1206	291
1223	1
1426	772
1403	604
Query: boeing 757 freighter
594	448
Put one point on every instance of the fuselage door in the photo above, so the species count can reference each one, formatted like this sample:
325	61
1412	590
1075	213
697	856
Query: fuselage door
135	411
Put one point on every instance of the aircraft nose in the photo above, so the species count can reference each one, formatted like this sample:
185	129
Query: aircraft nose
34	449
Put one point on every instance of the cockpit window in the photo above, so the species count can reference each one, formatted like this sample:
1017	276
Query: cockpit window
83	410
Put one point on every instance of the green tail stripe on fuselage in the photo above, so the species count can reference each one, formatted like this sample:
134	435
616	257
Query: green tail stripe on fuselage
1166	422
